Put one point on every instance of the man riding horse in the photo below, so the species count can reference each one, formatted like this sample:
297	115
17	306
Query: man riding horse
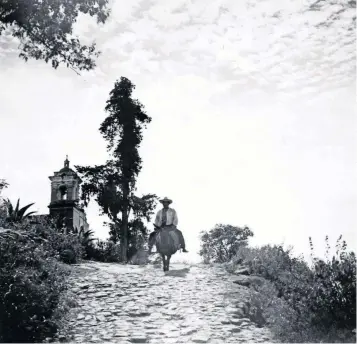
166	218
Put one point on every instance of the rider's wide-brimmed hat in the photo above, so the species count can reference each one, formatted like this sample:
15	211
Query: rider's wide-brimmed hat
165	200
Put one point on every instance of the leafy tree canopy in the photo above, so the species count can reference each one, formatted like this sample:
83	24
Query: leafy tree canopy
45	29
221	244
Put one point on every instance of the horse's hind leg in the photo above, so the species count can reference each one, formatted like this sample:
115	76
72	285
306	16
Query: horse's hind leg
168	263
163	261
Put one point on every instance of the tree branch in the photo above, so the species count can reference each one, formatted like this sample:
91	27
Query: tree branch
34	36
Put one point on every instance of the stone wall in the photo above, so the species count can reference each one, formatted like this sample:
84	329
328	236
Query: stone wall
79	219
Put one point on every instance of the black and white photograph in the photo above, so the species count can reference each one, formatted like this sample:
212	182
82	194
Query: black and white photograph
178	171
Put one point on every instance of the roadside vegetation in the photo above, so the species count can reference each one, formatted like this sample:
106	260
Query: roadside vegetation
300	302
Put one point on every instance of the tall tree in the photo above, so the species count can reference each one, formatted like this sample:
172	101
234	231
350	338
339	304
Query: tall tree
114	183
45	29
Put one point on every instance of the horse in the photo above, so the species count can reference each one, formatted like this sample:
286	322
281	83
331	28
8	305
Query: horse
167	243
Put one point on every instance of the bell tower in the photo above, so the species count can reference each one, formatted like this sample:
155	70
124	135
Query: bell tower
65	196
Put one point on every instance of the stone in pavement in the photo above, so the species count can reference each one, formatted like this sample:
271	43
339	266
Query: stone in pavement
140	304
200	338
138	338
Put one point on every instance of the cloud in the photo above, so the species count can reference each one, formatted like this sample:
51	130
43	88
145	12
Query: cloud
252	106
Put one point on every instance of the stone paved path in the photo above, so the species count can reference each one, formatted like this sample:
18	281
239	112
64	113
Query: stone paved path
142	304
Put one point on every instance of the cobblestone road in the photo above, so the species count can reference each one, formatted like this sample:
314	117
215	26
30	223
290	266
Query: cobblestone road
141	304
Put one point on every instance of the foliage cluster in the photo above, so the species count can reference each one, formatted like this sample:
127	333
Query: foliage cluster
31	284
113	184
32	277
110	252
301	303
45	29
222	243
66	247
104	251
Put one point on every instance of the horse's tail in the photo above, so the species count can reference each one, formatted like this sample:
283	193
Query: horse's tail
167	242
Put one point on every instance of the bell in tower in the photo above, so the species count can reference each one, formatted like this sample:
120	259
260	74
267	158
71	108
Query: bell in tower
65	196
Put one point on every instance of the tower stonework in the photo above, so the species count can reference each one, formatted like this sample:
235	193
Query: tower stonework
65	196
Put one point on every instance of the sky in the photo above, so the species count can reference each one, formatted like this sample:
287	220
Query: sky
253	115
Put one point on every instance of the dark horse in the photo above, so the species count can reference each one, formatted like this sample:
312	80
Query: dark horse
167	243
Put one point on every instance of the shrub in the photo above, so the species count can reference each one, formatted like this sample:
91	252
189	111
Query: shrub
333	298
3	212
265	307
86	239
31	283
315	304
223	242
104	251
276	264
65	247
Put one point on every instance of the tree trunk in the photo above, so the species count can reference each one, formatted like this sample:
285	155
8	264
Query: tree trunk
124	227
124	238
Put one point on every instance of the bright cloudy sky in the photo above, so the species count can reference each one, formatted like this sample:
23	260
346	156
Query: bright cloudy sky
253	108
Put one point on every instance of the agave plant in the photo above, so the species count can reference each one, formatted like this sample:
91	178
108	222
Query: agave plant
86	236
17	214
86	239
